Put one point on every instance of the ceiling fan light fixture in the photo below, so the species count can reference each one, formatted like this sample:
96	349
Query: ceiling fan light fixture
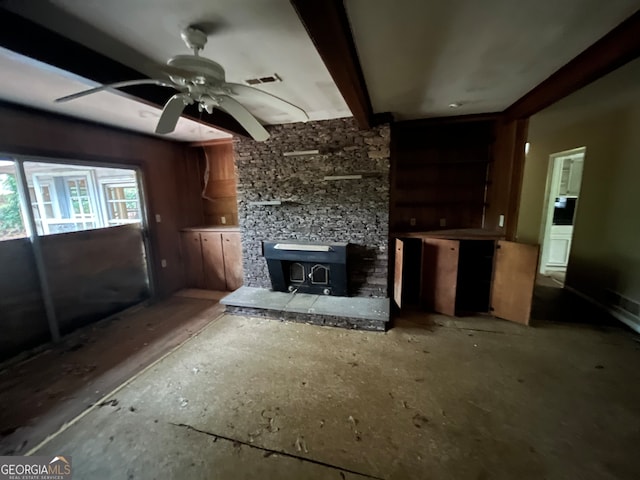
455	104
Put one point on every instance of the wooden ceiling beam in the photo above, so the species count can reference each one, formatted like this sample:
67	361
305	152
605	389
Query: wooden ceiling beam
32	40
328	27
612	51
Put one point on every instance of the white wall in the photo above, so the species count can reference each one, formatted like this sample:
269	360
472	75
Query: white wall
605	253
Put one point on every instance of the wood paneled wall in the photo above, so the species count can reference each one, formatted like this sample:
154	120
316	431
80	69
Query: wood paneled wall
220	198
169	171
22	315
439	173
505	172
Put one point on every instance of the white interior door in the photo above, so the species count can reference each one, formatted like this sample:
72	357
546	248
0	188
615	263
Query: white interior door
563	189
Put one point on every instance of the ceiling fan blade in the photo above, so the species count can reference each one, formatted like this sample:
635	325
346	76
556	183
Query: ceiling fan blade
171	113
268	99
128	83
244	117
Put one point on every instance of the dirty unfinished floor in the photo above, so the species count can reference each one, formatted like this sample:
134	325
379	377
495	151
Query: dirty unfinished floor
438	398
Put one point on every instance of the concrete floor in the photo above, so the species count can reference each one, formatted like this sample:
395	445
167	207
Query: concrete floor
435	397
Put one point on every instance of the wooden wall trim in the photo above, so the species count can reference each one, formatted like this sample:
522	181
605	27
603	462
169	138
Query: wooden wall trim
327	24
30	39
615	49
517	175
208	143
506	173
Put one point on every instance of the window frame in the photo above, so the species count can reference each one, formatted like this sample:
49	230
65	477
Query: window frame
27	210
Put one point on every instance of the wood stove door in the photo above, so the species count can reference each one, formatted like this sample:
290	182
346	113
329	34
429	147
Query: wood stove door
440	274
514	276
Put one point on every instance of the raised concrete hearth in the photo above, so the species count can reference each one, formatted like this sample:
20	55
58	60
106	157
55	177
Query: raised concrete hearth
346	312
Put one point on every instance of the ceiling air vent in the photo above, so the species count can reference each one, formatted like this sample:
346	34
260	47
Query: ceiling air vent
268	79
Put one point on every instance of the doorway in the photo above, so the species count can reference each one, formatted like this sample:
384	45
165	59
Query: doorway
563	192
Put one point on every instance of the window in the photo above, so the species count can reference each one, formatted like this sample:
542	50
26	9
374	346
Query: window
11	221
123	204
70	198
66	197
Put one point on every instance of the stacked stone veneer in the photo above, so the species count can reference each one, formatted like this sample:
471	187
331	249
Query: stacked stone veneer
315	210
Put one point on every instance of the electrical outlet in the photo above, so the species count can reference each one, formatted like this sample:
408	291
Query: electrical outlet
412	222
223	220
501	221
163	262
443	222
158	218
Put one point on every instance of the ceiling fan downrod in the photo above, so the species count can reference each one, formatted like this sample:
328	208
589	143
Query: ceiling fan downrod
194	38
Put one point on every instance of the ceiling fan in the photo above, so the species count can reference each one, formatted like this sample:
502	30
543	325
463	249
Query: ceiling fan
202	81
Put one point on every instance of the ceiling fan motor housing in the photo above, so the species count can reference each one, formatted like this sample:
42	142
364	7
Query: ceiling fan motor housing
202	67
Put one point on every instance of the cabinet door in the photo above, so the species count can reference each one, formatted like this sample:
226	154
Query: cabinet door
440	274
514	276
397	273
192	252
232	252
213	261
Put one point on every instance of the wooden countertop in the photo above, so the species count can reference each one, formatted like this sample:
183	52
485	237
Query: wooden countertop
456	234
212	228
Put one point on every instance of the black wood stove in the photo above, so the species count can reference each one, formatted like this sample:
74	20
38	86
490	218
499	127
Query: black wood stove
307	268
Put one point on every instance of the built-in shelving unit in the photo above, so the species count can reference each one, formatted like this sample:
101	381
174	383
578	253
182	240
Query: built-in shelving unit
439	174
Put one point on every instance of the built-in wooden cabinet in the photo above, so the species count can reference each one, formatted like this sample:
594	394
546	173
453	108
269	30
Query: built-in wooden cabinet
220	202
465	272
212	258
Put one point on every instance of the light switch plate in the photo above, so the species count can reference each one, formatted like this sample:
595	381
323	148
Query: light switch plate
501	221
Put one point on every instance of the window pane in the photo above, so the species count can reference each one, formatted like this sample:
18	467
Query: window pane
70	198
46	194
11	219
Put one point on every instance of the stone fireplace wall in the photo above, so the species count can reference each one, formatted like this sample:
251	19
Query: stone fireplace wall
312	209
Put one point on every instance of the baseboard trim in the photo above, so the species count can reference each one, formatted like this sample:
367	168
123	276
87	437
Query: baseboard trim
627	318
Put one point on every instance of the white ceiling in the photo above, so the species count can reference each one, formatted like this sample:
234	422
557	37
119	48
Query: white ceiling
28	82
419	56
251	38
